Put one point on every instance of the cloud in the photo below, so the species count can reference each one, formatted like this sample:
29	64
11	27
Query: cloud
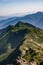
8	7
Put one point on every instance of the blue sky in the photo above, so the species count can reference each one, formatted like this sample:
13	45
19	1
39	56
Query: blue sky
9	7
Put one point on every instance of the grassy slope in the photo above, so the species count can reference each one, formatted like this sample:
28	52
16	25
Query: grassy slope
33	38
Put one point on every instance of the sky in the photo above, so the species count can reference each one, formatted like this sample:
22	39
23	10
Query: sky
10	7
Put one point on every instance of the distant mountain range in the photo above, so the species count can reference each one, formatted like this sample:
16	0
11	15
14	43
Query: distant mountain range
35	19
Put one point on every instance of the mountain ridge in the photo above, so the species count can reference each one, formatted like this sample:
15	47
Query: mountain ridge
19	38
35	19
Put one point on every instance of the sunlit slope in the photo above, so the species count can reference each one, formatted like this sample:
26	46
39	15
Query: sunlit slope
22	33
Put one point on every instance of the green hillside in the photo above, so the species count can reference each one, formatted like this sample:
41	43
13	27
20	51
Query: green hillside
22	37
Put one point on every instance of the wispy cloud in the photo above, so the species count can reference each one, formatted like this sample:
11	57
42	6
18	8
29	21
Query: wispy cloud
8	7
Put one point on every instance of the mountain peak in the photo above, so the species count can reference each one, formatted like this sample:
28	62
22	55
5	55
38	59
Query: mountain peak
39	12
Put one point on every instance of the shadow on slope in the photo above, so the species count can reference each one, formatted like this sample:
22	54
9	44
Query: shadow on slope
16	39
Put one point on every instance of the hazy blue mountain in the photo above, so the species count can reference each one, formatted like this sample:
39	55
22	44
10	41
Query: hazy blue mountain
35	19
3	17
9	21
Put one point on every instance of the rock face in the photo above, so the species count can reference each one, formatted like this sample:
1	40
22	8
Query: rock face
33	63
22	61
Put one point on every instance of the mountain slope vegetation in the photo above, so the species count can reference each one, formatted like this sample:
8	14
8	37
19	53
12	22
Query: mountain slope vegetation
23	40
